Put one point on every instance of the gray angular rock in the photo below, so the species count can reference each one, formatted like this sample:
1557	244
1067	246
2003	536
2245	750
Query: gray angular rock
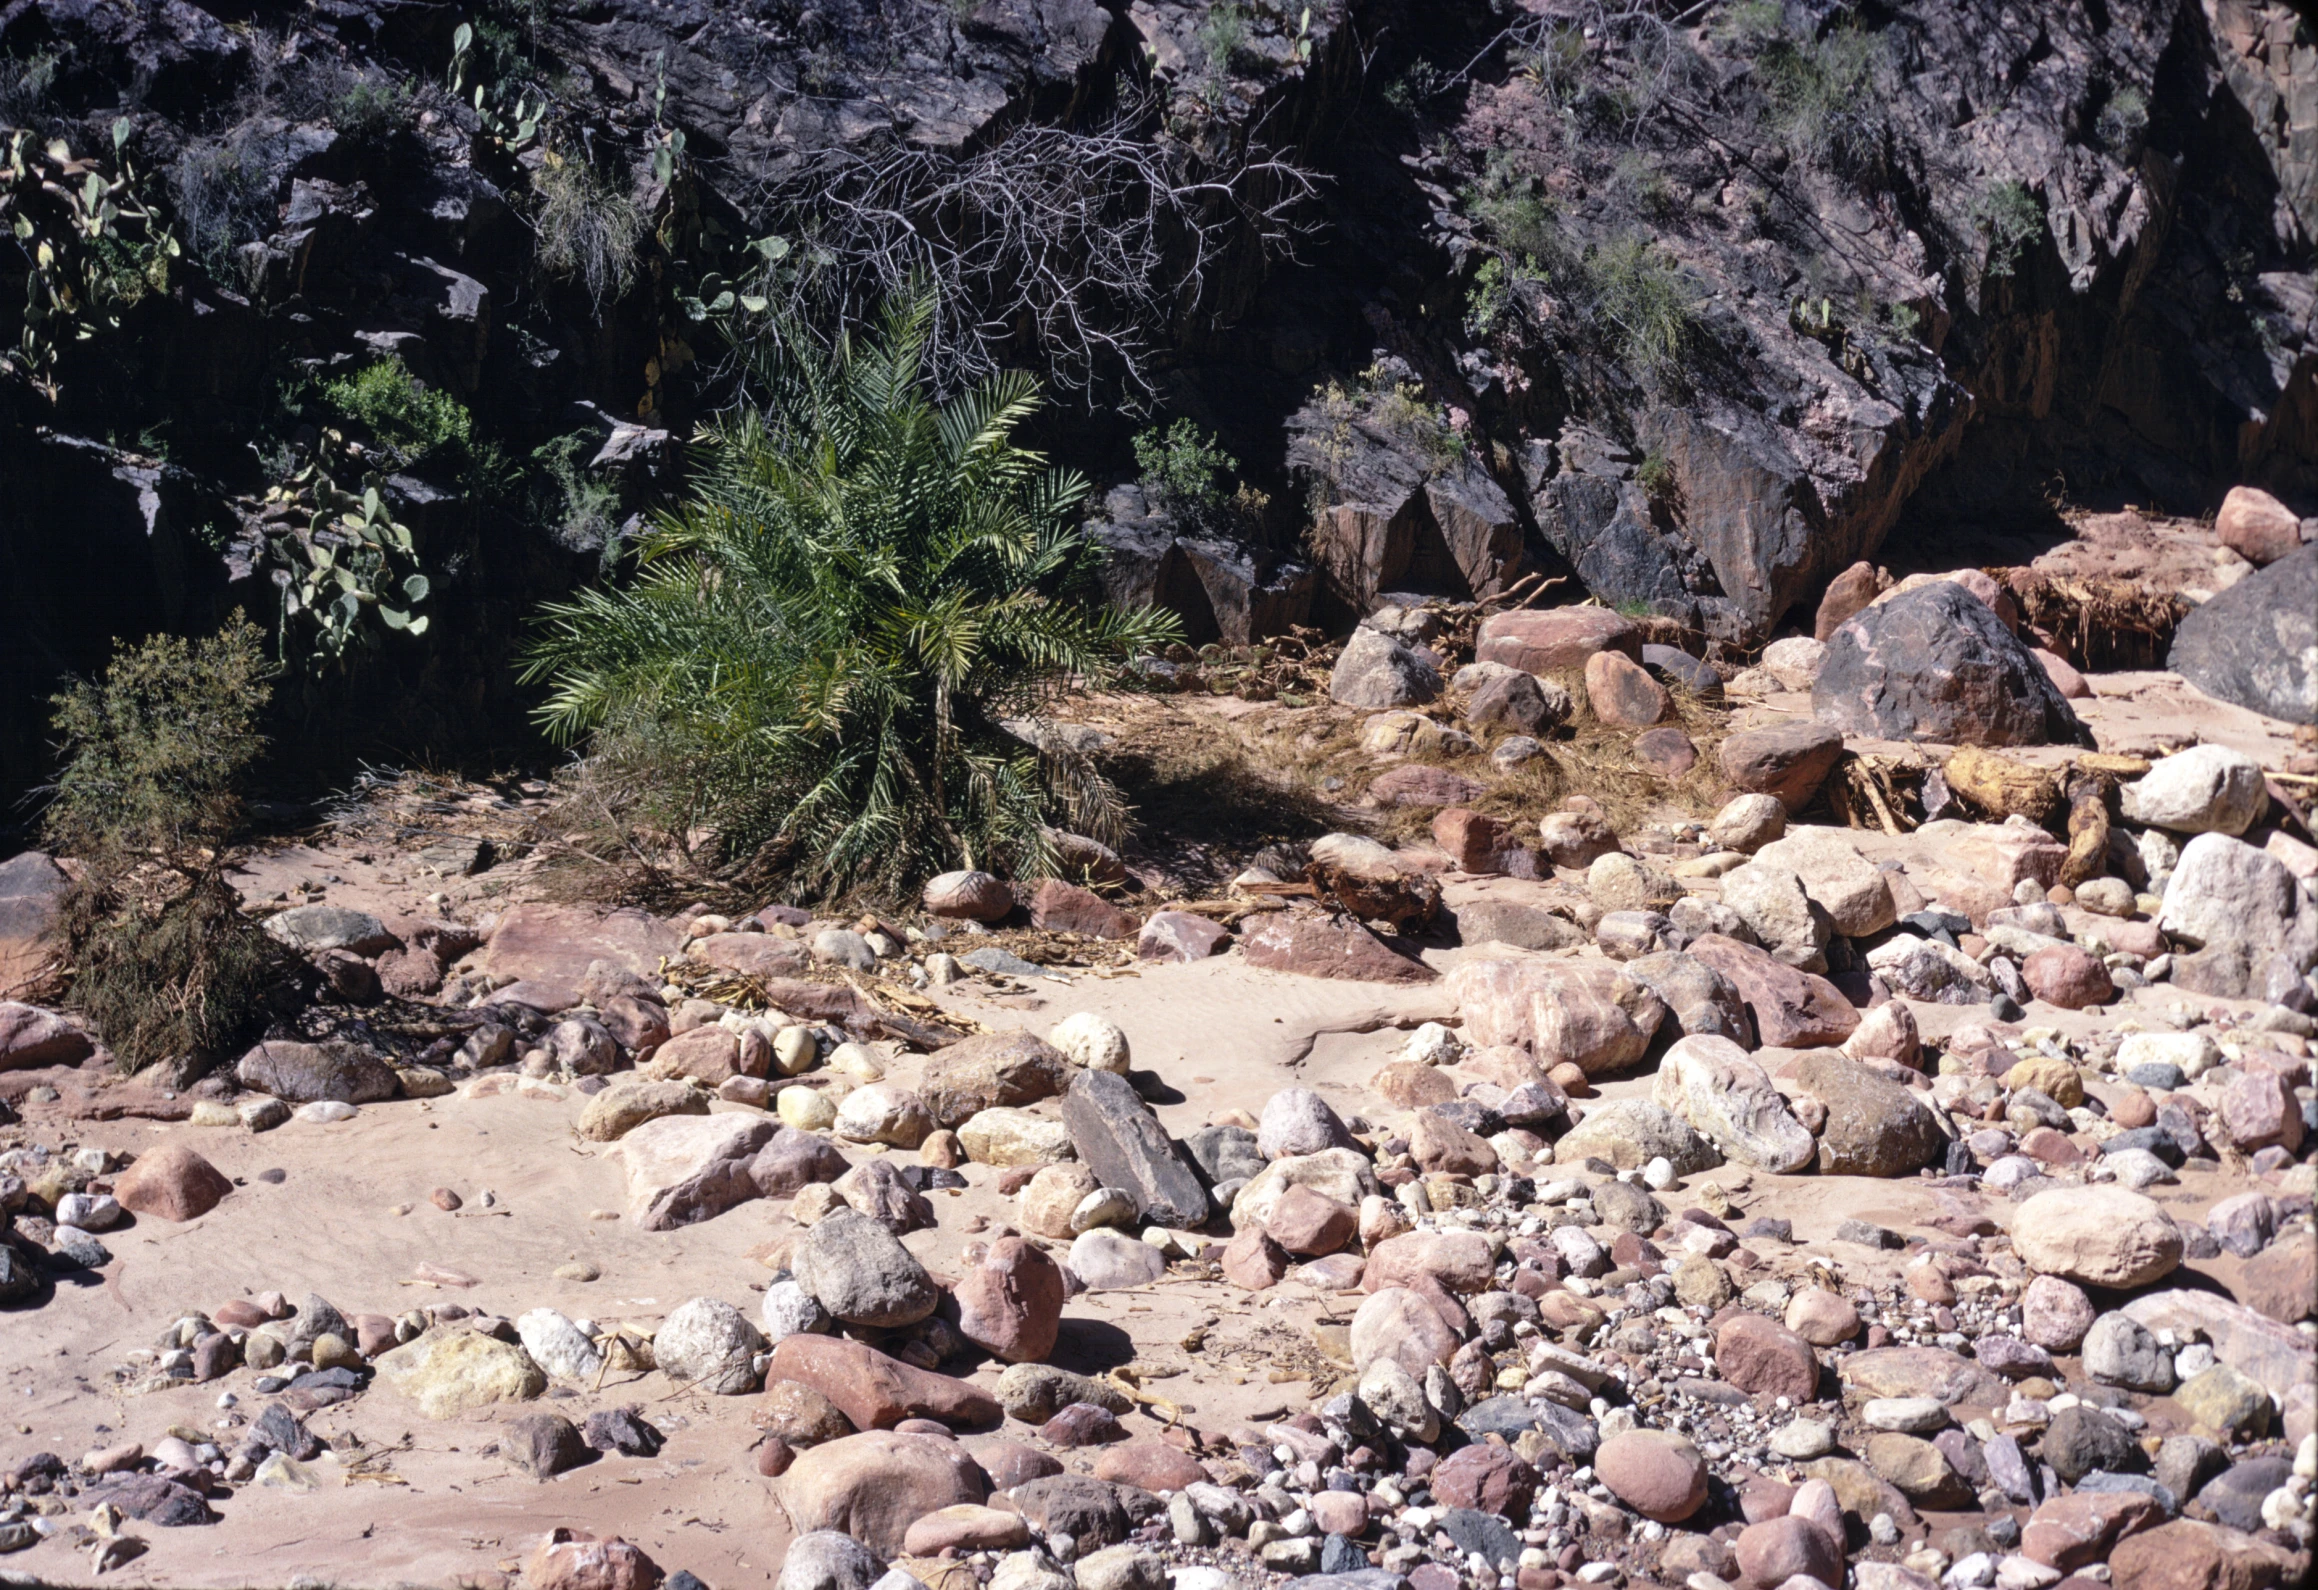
1376	670
1937	664
302	1073
827	1559
1123	1143
709	1345
857	1269
2237	907
1298	1121
1711	1083
1702	1001
312	929
2120	1351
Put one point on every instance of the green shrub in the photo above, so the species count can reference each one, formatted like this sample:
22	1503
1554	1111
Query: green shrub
411	420
1184	473
815	658
163	961
24	84
1636	182
1223	33
2122	121
370	108
587	230
2008	216
1655	475
583	513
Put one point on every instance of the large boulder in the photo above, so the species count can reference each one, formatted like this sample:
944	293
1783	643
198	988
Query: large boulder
1874	1126
1555	639
1629	1133
857	1269
451	1371
1855	894
2205	789
32	890
1792	1009
2256	644
1375	670
1010	1305
305	1073
559	943
2102	1236
169	1181
874	1391
1312	945
1788	761
874	1485
2257	526
1697	997
687	1168
1586	1012
30	1036
1937	664
2237	908
988	1071
1712	1084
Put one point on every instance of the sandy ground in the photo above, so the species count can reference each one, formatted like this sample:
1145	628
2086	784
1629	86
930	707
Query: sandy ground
350	1219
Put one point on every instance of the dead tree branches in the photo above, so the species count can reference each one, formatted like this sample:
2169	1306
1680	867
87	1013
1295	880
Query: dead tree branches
1077	247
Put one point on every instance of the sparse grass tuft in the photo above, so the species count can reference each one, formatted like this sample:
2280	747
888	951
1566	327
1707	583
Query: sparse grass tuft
588	231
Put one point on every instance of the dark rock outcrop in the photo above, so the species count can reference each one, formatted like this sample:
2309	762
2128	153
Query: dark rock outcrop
1938	664
2256	644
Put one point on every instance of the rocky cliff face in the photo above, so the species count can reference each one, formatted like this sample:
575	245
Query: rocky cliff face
1691	313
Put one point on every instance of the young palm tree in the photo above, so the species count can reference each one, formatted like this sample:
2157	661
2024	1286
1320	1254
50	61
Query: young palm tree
815	657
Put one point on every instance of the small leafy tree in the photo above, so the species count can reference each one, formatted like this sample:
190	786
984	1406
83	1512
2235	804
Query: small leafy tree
163	961
2007	214
816	658
1183	472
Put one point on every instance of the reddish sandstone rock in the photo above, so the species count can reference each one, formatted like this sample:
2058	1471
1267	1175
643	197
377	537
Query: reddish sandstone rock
1253	1261
171	1182
1847	593
2075	1531
1766	1360
1441	1146
2258	1109
558	943
1411	1084
2257	526
1321	946
1471	839
1010	1304
30	1036
1789	760
2190	1555
1179	936
1311	1223
965	1527
1669	753
874	1391
1153	1465
992	1070
968	896
873	1486
1777	1549
1793	1009
1658	1474
572	1559
1496	1480
1622	693
2063	975
709	1055
1059	907
1555	639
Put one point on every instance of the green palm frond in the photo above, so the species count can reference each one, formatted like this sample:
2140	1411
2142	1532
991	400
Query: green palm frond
818	645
